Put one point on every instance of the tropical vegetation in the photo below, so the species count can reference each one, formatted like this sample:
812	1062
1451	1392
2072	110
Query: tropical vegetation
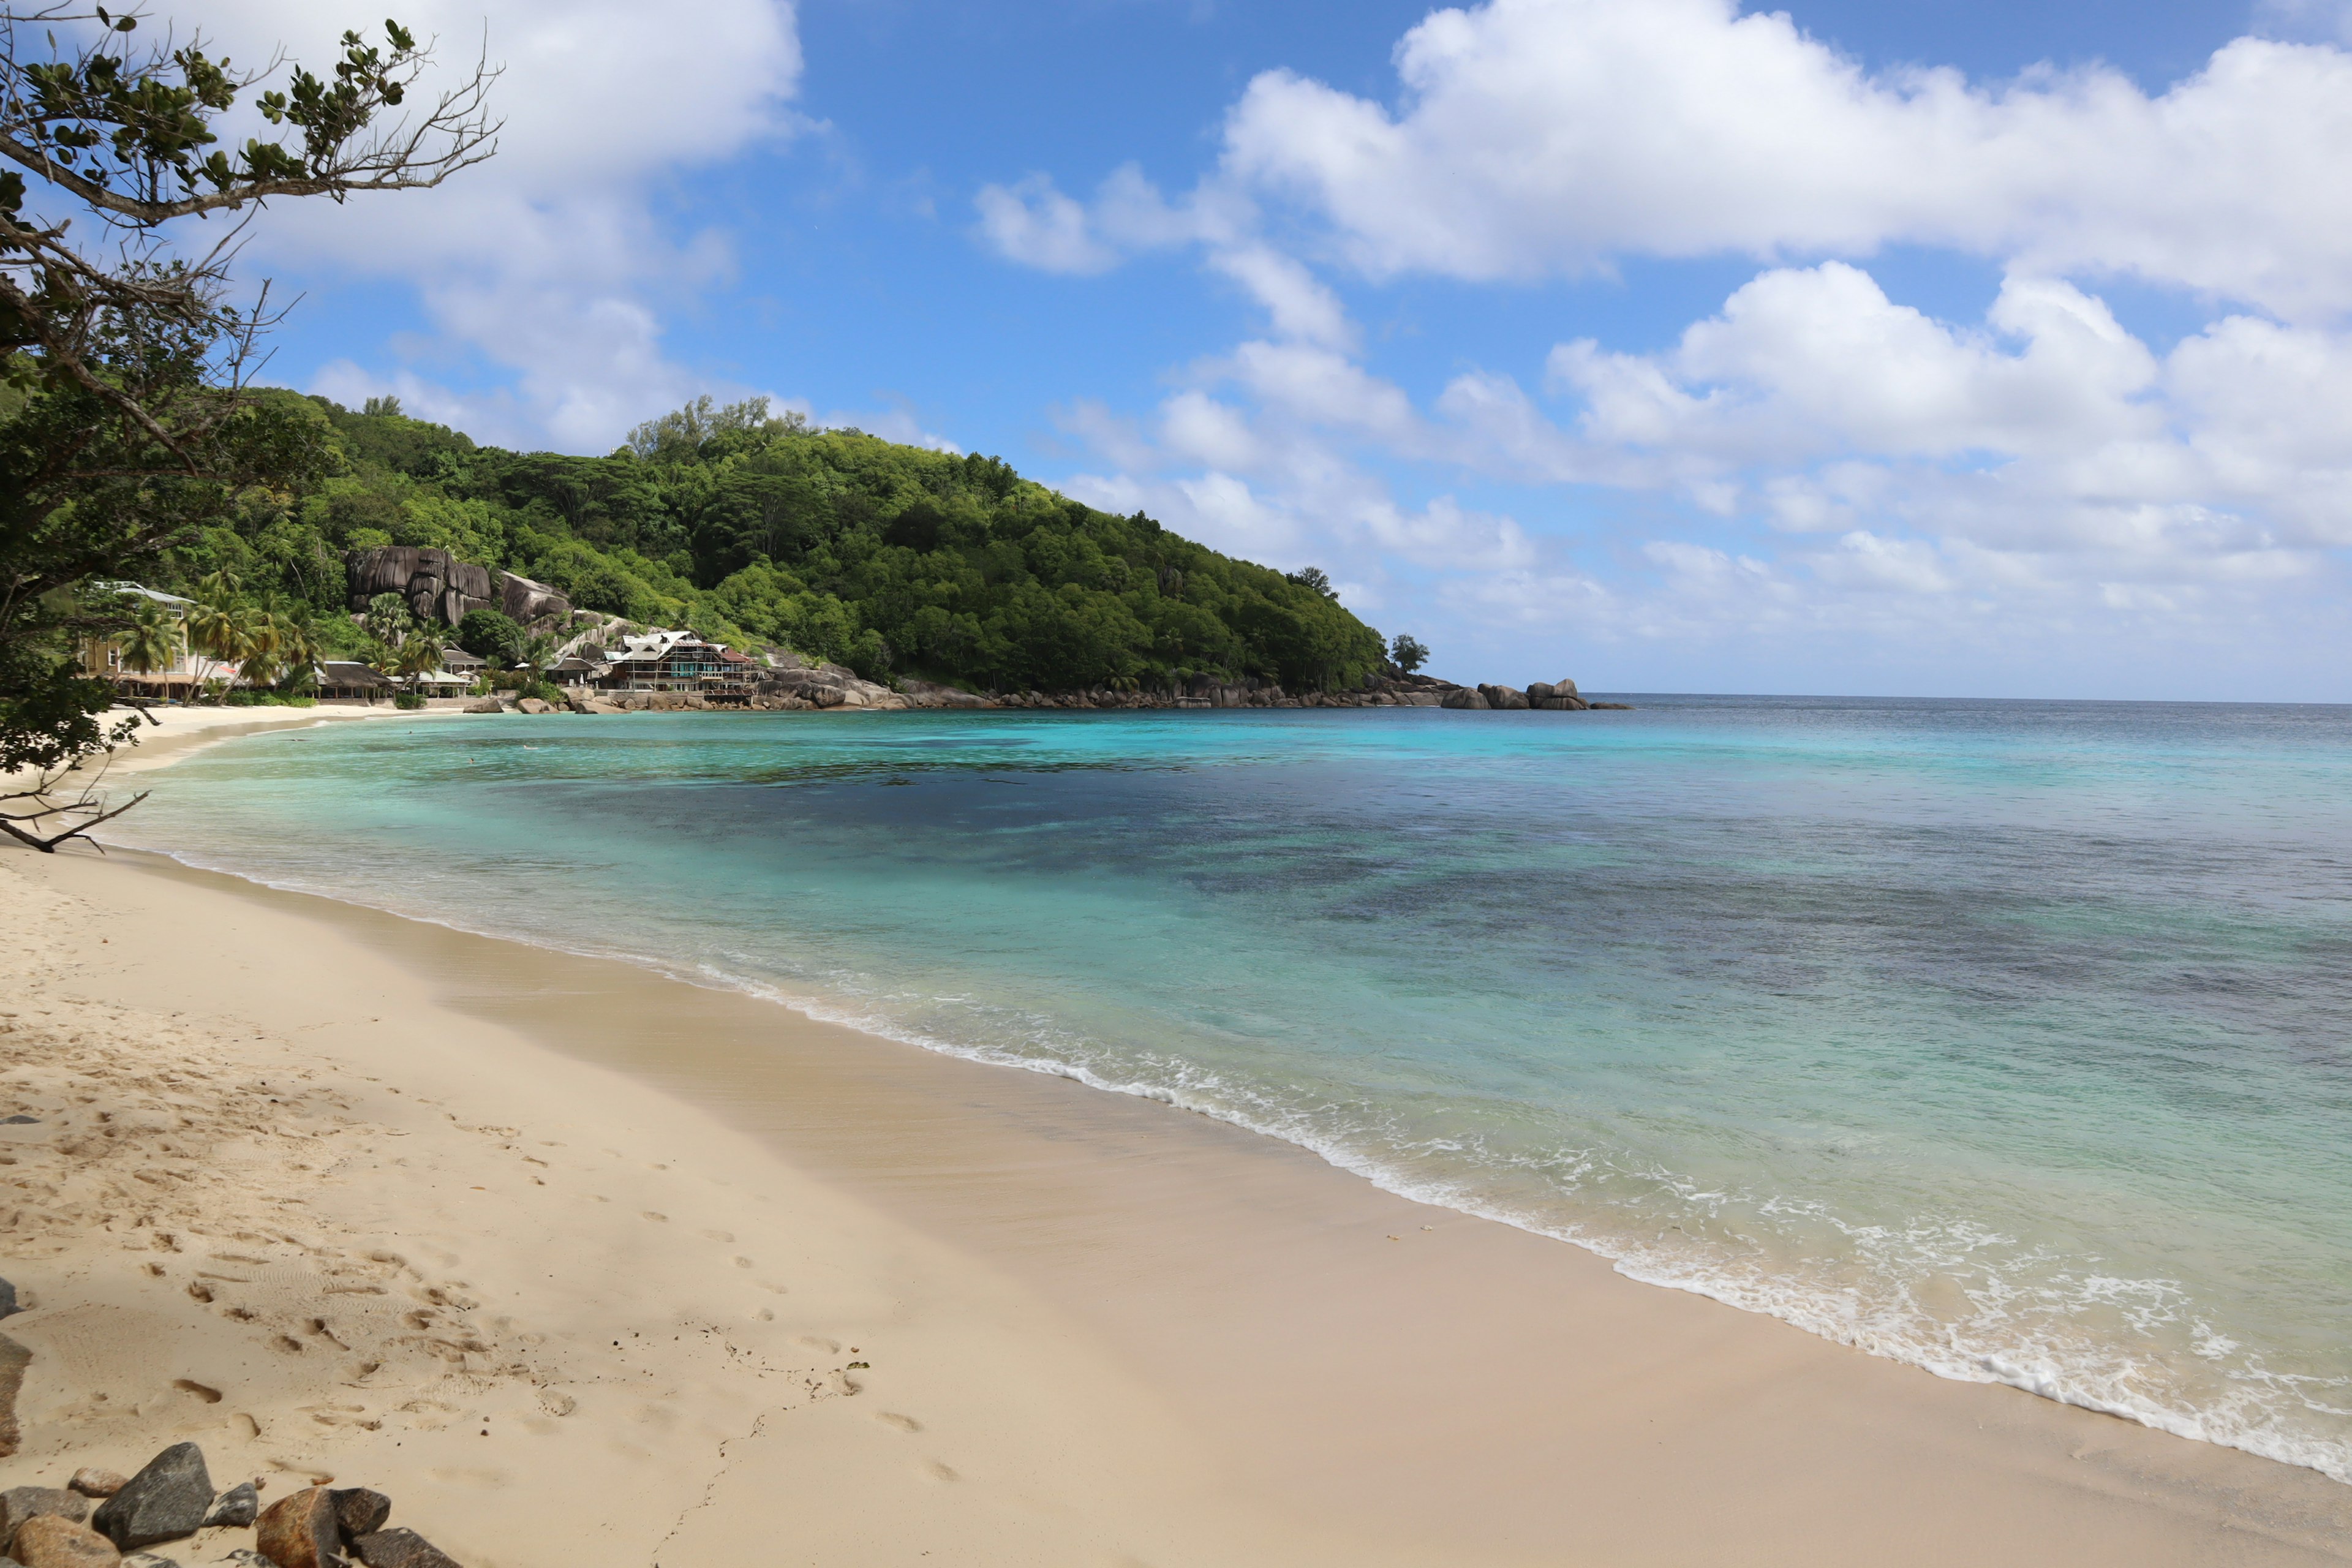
755	529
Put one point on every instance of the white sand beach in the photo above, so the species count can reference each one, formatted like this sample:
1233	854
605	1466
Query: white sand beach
584	1266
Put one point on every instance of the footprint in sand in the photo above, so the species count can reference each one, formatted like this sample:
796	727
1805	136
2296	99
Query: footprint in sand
721	1237
903	1423
830	1347
656	1219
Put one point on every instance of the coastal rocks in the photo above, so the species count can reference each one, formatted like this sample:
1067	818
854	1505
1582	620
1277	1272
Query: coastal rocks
536	705
51	1541
581	702
18	1504
168	1499
1463	697
927	694
1501	697
92	1481
9	1307
829	686
301	1530
486	705
400	1548
528	602
358	1511
437	586
235	1508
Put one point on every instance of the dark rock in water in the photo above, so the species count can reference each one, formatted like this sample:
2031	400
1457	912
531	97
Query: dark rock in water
401	1548
92	1481
18	1504
1561	704
358	1511
239	1506
167	1499
48	1541
1619	707
1504	697
1463	697
299	1531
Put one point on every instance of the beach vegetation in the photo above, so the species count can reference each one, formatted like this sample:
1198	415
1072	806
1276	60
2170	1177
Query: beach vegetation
129	426
492	635
756	529
1408	652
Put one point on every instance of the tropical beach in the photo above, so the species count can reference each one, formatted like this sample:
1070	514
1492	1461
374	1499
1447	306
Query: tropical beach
1540	782
1092	1326
1089	1322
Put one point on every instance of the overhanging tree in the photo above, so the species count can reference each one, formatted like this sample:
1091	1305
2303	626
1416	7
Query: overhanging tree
126	416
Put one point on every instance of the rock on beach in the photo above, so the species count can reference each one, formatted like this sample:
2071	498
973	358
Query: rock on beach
49	1541
301	1530
400	1548
168	1499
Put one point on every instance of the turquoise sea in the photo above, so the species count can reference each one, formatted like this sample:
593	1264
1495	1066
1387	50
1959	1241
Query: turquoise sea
2010	1039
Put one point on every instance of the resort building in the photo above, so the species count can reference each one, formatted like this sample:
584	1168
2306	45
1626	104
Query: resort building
187	672
347	679
662	660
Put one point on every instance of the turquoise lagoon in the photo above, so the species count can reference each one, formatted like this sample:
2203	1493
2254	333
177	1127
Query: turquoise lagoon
2013	1040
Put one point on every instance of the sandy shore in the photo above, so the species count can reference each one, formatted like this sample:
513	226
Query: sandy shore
584	1266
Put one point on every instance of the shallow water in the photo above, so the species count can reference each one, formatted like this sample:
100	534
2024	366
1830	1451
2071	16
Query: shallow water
2010	1039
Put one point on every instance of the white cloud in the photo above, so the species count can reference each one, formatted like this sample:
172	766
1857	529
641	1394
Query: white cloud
1537	137
1035	225
548	260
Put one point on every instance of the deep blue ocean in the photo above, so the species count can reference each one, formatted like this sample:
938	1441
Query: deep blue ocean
2010	1039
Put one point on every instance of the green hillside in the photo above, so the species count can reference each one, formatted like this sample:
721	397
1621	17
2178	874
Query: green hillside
889	559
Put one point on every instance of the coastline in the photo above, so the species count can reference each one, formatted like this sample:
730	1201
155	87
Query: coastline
1293	1385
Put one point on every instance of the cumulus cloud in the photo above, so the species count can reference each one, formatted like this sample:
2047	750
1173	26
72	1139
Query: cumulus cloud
550	261
1536	137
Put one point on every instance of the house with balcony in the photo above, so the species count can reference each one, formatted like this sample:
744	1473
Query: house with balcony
664	660
188	671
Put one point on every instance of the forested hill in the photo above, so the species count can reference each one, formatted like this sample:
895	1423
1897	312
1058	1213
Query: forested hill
751	530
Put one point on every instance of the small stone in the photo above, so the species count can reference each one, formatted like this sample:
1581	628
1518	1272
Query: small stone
18	1504
19	1121
92	1481
299	1529
401	1548
358	1511
50	1541
239	1506
167	1499
148	1559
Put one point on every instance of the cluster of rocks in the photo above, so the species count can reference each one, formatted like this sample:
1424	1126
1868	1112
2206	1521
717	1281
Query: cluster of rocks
172	1498
1381	691
437	586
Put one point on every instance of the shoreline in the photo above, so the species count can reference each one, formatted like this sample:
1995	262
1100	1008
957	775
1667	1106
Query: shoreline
1423	1382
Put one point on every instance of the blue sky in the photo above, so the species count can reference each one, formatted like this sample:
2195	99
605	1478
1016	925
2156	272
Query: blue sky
1645	341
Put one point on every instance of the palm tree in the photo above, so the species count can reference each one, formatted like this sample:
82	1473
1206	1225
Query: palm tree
419	656
152	641
297	640
263	641
214	627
